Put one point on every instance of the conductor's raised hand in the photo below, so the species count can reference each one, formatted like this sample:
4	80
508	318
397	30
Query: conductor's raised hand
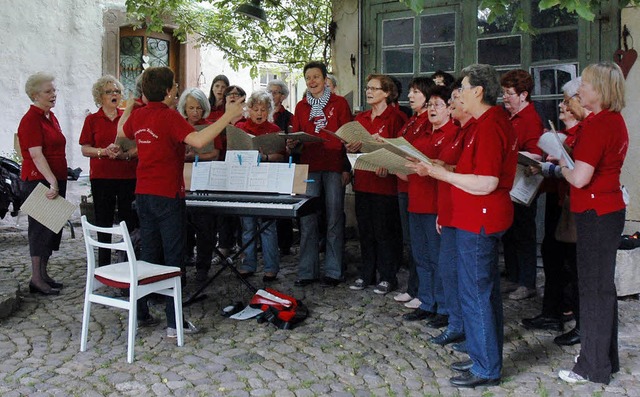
235	108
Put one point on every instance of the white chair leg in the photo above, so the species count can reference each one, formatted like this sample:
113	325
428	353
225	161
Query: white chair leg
133	325
86	314
177	303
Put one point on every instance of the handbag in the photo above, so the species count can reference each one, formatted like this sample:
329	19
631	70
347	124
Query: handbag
566	229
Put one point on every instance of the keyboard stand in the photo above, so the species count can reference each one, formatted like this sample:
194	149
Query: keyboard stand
227	263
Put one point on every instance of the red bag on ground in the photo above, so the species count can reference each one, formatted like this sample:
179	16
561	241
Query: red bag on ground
282	310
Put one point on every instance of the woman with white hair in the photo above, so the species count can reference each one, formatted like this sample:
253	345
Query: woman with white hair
194	106
112	174
42	145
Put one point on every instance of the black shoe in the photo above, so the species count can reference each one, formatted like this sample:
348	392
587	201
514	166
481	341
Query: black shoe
447	337
438	321
460	347
33	288
304	282
418	314
569	339
267	278
54	284
467	379
246	275
543	322
462	366
330	282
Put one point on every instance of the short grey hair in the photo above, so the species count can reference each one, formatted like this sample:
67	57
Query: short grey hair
333	80
280	84
198	95
570	88
485	76
98	87
34	83
262	97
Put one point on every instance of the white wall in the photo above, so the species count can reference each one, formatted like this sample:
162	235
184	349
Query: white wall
61	37
630	173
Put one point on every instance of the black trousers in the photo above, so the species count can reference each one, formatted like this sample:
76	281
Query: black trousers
598	240
107	193
380	236
559	261
519	244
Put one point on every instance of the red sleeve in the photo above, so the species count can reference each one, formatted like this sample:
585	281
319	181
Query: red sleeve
86	136
30	132
592	146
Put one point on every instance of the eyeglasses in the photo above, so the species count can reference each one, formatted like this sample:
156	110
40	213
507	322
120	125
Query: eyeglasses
462	88
369	88
233	94
436	106
508	94
275	92
567	101
111	92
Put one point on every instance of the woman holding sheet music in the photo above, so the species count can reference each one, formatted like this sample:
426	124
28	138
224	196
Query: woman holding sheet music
260	105
42	146
597	202
112	173
376	201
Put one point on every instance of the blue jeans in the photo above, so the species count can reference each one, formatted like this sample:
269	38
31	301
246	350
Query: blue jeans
269	239
425	246
480	300
412	280
162	234
448	270
309	267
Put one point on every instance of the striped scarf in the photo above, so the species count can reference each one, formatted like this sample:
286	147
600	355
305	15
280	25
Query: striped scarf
317	108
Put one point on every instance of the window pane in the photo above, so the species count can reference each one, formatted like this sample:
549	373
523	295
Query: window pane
404	80
130	62
397	32
437	58
548	110
499	51
555	46
551	17
502	24
158	51
437	28
397	61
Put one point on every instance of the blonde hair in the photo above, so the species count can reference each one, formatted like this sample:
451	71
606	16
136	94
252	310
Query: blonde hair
34	83
608	81
98	86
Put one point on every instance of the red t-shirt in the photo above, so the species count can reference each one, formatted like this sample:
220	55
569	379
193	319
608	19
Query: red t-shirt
99	132
159	132
35	130
450	153
216	113
602	142
423	190
415	127
490	149
327	155
260	129
386	125
528	127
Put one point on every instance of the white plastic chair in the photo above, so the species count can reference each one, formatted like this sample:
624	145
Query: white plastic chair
148	278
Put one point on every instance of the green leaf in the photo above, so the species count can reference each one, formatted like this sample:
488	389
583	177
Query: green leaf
546	4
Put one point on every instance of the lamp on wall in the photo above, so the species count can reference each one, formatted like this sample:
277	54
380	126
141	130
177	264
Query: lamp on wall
252	10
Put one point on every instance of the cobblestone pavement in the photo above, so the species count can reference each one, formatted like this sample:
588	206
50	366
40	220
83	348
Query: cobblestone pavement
353	343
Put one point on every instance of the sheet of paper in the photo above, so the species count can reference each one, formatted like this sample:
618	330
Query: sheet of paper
218	176
383	158
241	157
246	313
355	132
199	175
402	147
525	159
553	144
53	214
238	139
525	187
301	136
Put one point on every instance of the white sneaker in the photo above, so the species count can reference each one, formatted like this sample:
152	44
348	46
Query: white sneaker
522	292
189	329
358	285
571	377
383	288
404	297
413	303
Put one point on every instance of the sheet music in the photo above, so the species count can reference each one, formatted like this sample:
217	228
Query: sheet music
200	175
553	144
240	157
402	147
383	158
525	159
218	176
355	132
301	136
53	214
525	187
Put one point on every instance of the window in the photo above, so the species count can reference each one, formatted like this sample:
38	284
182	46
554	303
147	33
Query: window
140	49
